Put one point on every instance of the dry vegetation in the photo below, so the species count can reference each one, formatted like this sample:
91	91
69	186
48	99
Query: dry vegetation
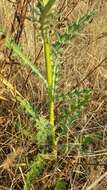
84	65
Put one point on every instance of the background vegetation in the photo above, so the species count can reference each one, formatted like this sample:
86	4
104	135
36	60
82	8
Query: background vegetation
33	155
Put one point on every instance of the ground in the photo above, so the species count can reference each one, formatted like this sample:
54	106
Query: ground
84	65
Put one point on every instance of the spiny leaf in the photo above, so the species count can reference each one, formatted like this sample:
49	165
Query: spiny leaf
36	169
43	131
71	29
75	93
25	105
75	103
24	58
64	39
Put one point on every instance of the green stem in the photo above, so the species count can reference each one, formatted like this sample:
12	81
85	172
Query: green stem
46	11
47	53
48	64
49	72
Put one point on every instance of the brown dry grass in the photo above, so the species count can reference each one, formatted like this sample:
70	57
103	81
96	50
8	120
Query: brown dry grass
82	66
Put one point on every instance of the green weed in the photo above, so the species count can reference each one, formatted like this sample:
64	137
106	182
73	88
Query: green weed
72	103
60	184
35	169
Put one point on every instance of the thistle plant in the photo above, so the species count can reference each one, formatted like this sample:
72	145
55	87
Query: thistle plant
47	5
45	128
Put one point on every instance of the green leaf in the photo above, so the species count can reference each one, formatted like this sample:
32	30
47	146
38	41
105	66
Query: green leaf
26	106
35	170
60	184
18	52
88	140
43	131
74	104
71	29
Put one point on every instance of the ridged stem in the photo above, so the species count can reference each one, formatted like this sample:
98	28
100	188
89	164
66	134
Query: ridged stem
49	73
48	64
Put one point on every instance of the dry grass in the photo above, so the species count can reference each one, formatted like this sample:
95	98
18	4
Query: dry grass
82	67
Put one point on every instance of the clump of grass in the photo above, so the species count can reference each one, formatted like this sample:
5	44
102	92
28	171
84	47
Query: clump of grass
75	101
